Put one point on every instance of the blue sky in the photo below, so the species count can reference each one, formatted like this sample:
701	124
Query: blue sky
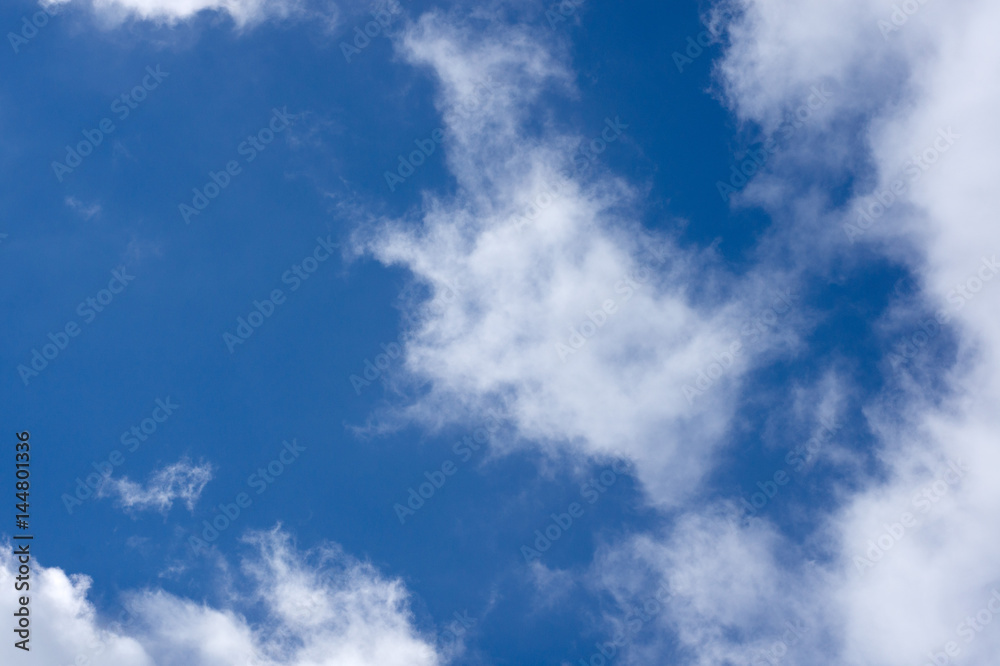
548	316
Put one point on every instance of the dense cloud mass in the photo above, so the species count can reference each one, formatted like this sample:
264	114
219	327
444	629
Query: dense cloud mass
910	558
320	607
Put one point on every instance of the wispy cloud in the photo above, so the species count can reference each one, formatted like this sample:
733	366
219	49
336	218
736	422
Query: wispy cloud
180	481
85	211
590	325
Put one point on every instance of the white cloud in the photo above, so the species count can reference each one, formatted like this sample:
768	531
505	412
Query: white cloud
83	209
896	93
551	586
513	298
925	76
179	481
244	13
730	599
519	287
323	608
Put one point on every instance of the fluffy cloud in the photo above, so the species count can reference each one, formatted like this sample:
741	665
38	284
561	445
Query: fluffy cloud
180	481
243	12
545	292
917	69
528	250
728	599
906	564
321	608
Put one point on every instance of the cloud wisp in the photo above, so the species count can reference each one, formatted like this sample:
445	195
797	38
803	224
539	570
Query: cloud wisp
182	480
587	324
